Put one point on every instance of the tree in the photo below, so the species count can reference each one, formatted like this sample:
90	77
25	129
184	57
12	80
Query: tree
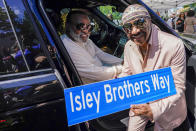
111	10
4	22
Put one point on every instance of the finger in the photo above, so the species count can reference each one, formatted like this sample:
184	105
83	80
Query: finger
138	106
131	113
137	112
135	105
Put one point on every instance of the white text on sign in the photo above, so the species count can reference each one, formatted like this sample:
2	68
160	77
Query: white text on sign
128	89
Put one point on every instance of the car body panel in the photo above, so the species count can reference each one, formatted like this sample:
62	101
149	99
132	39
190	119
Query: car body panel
34	100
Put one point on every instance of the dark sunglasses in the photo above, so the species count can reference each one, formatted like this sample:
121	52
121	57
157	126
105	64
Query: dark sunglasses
82	26
137	23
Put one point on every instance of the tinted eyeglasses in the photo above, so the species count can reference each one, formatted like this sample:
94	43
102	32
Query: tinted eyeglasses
139	23
82	26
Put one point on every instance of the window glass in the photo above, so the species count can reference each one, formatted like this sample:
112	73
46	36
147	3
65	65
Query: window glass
26	35
9	49
111	13
114	13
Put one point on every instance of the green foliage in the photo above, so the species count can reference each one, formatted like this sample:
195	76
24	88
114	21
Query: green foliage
193	5
107	10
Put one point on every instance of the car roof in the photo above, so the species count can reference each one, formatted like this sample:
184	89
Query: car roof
80	3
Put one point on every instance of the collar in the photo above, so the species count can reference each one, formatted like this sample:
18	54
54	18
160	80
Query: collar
153	40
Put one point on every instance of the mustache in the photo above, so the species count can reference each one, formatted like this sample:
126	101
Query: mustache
88	34
138	34
135	35
85	33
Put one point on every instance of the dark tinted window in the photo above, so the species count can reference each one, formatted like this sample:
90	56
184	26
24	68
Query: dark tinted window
9	48
28	53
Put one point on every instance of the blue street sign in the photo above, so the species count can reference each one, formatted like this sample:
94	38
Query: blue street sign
95	100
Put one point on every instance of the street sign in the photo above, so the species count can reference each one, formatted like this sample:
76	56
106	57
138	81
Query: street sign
95	100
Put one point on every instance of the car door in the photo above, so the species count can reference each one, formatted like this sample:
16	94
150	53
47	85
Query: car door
31	87
49	11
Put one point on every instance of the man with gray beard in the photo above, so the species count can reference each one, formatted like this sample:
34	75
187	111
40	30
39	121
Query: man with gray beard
89	60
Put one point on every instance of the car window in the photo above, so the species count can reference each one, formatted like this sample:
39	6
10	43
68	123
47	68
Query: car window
111	13
9	49
20	42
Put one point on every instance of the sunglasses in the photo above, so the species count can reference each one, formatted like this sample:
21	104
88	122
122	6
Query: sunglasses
82	26
139	23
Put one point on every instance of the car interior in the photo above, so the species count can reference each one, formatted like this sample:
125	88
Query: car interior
107	34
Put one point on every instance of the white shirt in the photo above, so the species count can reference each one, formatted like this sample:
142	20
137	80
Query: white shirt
169	22
90	60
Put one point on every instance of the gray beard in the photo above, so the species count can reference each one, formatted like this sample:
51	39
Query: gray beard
77	37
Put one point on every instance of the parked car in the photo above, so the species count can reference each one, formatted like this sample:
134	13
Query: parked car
35	67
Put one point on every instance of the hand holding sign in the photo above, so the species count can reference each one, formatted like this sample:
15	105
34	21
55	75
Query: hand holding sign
142	110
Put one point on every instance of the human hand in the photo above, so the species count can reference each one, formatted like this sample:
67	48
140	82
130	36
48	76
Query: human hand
142	110
39	59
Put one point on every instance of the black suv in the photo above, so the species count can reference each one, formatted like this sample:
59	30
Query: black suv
35	67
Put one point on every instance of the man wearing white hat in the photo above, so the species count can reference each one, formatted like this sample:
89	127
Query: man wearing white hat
149	49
